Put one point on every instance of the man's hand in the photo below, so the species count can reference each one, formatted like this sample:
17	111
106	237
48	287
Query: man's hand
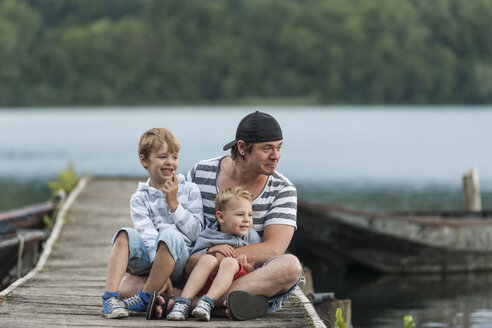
224	249
167	289
247	263
170	190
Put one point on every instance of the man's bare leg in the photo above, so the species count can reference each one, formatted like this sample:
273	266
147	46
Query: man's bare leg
275	278
131	285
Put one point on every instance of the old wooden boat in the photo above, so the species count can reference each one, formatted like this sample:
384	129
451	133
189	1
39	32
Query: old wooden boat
396	242
20	243
21	230
26	217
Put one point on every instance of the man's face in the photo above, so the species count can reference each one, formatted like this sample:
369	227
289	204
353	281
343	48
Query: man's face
264	156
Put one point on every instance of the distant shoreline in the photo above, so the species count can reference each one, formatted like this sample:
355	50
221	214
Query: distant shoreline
256	103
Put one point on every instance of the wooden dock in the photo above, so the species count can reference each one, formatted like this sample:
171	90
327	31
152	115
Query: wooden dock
65	288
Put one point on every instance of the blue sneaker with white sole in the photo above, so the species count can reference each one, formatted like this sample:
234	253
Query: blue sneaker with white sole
138	302
111	306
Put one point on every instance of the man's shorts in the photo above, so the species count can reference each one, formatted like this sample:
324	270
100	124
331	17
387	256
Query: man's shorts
275	302
139	262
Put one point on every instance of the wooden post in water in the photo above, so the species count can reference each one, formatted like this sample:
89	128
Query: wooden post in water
471	191
326	304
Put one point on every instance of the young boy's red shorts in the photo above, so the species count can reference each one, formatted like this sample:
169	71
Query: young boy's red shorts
210	280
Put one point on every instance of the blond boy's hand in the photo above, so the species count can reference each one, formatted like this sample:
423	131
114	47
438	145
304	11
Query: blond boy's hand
247	263
224	249
170	190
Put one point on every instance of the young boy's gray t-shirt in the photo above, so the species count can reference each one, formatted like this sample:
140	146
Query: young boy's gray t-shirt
210	237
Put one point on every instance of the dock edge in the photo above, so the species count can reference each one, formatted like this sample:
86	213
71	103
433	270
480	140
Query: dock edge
318	323
48	247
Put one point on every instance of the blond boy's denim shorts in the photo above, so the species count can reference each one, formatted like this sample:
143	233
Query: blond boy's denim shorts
139	262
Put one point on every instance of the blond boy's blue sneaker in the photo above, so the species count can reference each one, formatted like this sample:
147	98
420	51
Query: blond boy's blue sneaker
138	302
111	306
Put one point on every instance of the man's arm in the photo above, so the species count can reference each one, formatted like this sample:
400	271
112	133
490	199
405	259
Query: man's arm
276	239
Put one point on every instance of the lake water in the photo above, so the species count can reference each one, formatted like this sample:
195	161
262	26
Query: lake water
398	158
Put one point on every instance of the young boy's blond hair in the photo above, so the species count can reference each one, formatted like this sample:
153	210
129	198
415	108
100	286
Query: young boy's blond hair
154	138
231	193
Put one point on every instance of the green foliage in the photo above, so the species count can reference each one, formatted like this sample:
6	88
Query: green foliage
21	193
408	321
19	25
339	320
48	222
67	180
126	52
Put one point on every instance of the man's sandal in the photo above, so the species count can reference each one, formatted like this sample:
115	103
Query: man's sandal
149	315
245	306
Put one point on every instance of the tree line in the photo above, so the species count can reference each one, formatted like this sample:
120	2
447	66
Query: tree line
153	52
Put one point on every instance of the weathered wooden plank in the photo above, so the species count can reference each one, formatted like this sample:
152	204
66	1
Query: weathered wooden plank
67	292
55	314
40	321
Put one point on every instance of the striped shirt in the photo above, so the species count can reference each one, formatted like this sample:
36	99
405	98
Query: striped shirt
276	204
150	213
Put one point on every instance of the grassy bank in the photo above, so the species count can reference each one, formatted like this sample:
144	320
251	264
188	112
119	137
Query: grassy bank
18	193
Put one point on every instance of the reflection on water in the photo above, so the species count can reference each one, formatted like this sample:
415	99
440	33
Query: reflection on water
451	300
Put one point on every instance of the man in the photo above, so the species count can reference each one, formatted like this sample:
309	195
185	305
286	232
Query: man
255	153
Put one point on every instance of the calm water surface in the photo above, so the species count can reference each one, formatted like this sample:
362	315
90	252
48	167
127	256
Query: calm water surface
406	145
403	158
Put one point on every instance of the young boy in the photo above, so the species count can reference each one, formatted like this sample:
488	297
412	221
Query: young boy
234	213
168	217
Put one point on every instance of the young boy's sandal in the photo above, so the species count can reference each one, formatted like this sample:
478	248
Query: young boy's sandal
149	315
245	306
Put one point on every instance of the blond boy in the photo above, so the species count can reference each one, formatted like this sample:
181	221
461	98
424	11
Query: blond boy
167	215
234	214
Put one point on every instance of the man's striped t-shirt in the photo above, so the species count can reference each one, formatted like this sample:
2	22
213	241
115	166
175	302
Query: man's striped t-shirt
276	204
